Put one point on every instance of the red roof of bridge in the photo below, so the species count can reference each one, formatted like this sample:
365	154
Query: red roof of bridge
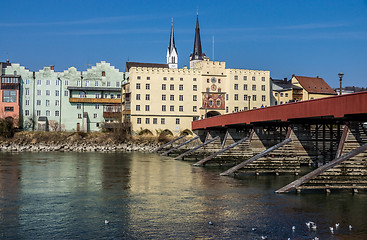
336	106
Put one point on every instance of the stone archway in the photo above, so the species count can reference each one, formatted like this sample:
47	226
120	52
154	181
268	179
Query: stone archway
212	114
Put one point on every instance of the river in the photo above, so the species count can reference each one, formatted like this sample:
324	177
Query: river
145	196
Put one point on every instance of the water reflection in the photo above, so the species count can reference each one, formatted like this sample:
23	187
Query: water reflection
145	196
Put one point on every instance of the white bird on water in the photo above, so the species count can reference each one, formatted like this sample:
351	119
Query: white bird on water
264	237
350	227
210	223
253	229
331	230
293	228
337	225
106	222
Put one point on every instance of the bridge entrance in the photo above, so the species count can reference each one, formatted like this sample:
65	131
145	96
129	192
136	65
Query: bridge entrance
212	114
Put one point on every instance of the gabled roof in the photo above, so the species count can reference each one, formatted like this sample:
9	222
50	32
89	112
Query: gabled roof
315	85
148	65
280	84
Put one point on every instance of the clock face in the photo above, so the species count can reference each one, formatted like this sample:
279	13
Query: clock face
214	80
213	87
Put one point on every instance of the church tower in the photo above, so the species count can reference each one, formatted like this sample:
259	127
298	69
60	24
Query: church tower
172	57
197	55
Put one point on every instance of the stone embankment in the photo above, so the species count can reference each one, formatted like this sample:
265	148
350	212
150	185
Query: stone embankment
123	147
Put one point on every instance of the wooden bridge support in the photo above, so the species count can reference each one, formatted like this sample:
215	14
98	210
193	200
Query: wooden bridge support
169	143
178	146
181	156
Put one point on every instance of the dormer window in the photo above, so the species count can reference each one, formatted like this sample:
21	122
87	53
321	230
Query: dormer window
103	73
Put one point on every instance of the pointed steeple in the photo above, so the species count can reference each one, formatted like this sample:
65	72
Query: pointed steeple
172	57
197	55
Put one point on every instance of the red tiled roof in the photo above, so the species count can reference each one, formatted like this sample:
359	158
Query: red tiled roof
315	85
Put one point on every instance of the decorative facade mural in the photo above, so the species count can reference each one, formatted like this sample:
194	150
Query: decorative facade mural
214	100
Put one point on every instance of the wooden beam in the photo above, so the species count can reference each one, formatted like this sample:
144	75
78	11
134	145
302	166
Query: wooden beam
318	171
201	162
172	149
170	142
342	141
241	165
196	148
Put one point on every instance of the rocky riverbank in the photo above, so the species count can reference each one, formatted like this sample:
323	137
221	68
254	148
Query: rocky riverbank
75	142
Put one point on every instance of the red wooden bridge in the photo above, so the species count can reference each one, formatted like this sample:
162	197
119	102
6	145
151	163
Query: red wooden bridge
346	107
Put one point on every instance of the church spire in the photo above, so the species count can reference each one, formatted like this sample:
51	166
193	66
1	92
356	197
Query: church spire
172	57
197	55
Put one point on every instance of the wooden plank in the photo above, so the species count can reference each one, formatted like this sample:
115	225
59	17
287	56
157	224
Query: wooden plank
201	162
196	148
170	142
235	168
172	149
342	141
315	173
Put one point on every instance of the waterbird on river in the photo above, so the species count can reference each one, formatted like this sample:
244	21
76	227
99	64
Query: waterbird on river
350	227
210	223
106	222
293	228
337	225
331	230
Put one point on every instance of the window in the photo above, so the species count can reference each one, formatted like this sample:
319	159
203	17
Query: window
103	73
263	79
57	82
172	108
66	93
117	84
163	97
245	97
47	113
172	97
9	96
138	77
147	108
165	78
57	102
262	87
39	82
148	78
226	109
180	108
137	107
207	89
281	94
138	86
253	97
155	120
227	97
194	87
96	106
147	121
171	87
27	102
181	79
108	84
47	102
276	94
253	78
27	81
97	95
38	112
235	77
138	96
78	83
66	82
47	82
95	115
177	121
263	98
207	80
78	106
253	87
180	87
236	109
219	90
286	94
138	120
147	97
236	87
38	102
57	93
163	121
163	86
82	94
194	109
245	108
27	112
171	79
194	79
218	103
245	78
163	108
9	109
96	83
118	96
219	81
180	98
39	92
236	97
47	92
27	91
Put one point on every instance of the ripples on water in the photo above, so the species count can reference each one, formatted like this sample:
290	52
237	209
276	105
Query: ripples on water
145	196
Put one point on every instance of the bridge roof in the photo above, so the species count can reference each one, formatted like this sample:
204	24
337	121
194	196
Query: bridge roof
345	107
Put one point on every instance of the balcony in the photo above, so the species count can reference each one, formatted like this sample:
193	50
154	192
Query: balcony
95	100
112	111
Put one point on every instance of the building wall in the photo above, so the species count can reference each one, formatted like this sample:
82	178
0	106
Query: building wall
306	94
282	97
10	109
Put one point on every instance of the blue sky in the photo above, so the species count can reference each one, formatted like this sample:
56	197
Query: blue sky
309	38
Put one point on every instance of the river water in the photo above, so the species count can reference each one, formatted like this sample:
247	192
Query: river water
145	196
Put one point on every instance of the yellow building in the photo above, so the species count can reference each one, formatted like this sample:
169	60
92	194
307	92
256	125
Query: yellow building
299	88
162	96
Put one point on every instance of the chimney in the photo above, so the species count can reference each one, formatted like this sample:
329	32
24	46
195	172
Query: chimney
7	60
34	75
317	76
52	67
285	79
